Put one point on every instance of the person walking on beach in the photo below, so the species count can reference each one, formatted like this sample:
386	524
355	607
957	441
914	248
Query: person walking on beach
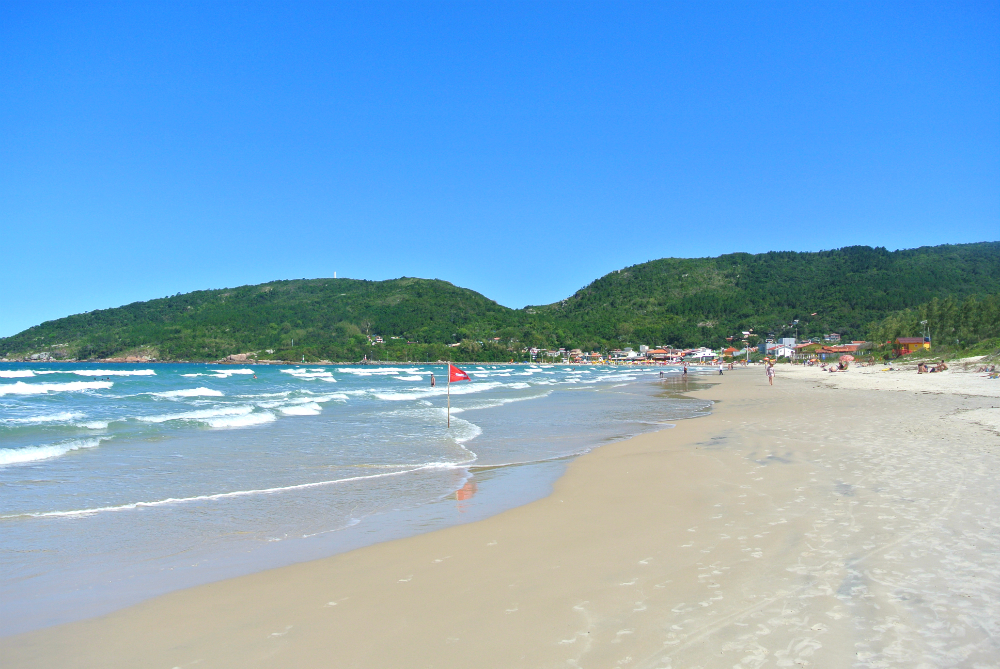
769	370
721	367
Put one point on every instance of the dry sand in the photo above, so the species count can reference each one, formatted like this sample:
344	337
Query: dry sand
812	523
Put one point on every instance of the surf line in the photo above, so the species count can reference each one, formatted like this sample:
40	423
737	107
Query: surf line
236	493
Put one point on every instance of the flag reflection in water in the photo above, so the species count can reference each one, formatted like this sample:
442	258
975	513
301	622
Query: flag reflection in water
464	494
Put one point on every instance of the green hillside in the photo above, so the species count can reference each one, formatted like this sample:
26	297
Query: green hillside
318	318
704	300
968	324
855	291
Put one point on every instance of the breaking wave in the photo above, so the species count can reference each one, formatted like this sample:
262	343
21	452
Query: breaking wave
22	388
16	456
190	392
63	417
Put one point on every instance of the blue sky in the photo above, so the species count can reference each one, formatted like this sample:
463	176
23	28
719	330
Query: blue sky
518	149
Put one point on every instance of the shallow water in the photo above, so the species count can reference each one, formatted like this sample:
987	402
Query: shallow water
120	482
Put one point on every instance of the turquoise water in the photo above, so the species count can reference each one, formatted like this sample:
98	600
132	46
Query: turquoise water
120	482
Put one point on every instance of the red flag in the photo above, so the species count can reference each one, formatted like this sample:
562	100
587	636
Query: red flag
455	374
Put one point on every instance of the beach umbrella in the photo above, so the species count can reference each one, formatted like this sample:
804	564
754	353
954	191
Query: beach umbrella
847	358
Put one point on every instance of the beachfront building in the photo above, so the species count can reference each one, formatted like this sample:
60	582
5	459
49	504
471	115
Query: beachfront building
853	347
907	345
833	337
624	355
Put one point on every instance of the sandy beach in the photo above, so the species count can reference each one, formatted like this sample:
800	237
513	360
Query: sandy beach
831	520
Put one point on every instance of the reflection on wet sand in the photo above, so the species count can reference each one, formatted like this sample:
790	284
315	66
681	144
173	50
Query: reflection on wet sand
464	494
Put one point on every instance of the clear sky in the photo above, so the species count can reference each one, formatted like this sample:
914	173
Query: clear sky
518	149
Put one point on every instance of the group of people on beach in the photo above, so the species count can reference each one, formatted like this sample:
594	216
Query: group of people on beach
922	367
840	367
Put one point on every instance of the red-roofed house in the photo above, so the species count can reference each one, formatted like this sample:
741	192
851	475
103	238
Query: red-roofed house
905	345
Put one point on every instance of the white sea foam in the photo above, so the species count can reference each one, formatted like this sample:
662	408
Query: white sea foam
99	372
611	377
95	425
16	456
329	398
490	404
295	401
22	388
238	493
377	371
219	417
190	392
441	389
463	431
200	415
15	373
240	421
111	372
311	374
409	378
226	373
63	417
310	409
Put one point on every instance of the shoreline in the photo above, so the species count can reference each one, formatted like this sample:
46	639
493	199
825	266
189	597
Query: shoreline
73	579
799	522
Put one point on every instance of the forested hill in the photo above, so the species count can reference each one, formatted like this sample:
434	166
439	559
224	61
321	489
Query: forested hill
703	300
316	318
677	302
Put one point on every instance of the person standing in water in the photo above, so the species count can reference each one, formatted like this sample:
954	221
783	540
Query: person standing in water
433	382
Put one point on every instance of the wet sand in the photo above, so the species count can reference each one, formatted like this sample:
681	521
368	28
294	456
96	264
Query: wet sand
803	524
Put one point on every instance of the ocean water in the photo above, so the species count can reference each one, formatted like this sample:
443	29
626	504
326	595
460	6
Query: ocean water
120	482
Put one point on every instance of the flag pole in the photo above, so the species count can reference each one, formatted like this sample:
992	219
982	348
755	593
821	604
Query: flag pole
449	394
